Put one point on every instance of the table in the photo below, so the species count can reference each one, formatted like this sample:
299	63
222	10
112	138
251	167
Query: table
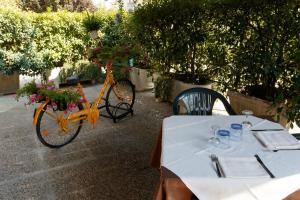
184	155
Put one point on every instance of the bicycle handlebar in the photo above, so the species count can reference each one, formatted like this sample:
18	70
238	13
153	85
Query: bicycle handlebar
108	65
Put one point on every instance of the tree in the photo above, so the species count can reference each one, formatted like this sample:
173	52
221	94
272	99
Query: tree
173	32
55	5
9	4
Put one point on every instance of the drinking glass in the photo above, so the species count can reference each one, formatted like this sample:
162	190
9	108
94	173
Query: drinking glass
247	113
214	139
224	137
237	131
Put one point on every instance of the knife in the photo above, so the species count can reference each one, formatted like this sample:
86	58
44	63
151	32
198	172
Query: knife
267	129
264	166
218	170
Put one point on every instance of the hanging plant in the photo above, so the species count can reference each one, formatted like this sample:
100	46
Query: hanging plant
92	23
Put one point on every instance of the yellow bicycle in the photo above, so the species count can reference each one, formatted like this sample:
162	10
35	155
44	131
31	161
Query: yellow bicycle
56	127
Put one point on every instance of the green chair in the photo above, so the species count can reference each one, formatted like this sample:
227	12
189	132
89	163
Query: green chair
199	101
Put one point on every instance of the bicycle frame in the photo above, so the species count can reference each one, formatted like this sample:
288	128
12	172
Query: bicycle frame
90	111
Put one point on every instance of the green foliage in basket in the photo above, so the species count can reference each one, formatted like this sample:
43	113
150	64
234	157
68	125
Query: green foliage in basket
39	92
61	96
27	90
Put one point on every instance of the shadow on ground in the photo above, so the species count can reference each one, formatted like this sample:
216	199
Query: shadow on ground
110	162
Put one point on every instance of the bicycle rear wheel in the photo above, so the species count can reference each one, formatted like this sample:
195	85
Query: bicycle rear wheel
49	132
120	99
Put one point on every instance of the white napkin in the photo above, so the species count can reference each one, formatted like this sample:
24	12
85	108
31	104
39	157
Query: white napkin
276	140
266	124
242	167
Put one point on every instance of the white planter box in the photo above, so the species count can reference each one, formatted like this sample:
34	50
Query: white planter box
179	86
259	107
9	84
139	77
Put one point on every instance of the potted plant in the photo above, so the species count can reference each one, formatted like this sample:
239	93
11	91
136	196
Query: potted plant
92	24
258	56
119	54
62	100
140	74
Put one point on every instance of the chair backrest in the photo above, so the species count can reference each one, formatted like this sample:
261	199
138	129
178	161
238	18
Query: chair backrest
199	101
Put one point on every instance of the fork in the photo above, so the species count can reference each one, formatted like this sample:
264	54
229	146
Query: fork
214	159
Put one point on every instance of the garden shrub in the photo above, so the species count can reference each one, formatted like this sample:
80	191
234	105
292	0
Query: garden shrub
173	33
83	69
32	43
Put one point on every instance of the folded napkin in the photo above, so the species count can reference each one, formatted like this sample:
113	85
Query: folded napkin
266	124
276	140
242	167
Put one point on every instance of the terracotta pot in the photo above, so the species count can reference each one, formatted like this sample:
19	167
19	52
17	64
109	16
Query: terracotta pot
261	108
9	84
179	86
139	78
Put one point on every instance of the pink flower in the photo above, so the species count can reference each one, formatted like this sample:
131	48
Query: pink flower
39	85
32	98
51	81
51	87
98	50
126	49
53	104
48	107
72	106
83	100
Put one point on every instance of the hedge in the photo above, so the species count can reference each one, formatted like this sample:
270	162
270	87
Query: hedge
31	43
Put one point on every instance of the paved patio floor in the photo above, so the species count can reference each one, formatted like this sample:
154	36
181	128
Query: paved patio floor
110	162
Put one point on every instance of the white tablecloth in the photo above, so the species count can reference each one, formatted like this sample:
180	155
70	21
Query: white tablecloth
185	151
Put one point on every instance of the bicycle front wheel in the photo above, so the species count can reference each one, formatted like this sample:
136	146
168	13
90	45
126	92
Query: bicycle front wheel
49	131
120	99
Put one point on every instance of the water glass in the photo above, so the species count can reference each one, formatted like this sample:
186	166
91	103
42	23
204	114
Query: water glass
214	139
246	122
224	136
237	131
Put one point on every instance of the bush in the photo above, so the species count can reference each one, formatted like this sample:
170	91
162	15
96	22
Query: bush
32	43
83	69
173	32
88	71
257	47
163	86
